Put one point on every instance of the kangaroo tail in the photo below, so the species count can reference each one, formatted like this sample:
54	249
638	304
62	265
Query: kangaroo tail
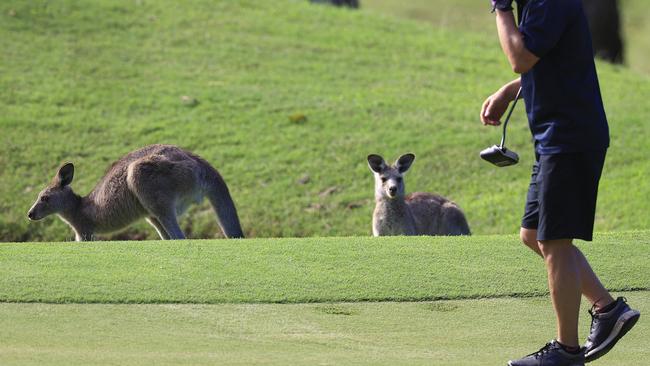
455	220
219	196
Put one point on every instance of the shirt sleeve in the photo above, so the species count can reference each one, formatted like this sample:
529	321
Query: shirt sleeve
543	24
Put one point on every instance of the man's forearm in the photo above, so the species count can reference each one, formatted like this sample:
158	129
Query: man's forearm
512	43
510	90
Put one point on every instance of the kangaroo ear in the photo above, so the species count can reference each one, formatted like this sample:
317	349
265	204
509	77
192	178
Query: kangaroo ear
376	163
65	174
404	162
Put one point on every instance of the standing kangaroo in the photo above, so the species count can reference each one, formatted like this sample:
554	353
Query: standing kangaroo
416	214
157	182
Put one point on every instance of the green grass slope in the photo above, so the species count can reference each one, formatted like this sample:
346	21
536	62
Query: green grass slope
300	270
484	332
472	15
88	81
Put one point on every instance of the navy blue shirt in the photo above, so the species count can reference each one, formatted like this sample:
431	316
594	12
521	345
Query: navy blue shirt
562	95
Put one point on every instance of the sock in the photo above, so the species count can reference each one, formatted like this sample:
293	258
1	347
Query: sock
572	350
607	308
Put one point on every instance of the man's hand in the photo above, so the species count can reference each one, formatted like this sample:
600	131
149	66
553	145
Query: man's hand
496	104
503	5
493	109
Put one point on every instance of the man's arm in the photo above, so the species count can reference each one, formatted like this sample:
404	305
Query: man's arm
512	43
496	104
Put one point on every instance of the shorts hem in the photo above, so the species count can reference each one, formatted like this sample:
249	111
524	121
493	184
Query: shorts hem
529	225
560	237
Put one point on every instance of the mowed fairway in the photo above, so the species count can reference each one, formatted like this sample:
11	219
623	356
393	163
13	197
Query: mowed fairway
466	332
297	301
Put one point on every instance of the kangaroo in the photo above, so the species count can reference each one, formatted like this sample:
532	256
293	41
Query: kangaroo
157	182
415	214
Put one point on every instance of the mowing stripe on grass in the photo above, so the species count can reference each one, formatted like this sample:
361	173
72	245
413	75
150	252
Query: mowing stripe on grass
468	332
300	270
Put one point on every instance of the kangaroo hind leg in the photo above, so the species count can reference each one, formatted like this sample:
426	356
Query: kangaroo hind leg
158	183
159	228
455	221
170	225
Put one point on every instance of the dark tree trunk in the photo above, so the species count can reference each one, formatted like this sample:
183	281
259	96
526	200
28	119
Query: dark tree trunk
349	3
604	24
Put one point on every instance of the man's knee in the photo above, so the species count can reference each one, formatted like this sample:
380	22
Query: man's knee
560	246
528	237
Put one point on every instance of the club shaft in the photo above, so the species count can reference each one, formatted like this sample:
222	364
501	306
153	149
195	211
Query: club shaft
505	124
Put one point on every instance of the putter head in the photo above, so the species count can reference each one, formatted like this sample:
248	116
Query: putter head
500	156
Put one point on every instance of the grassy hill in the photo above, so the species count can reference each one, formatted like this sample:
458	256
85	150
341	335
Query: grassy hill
472	15
88	81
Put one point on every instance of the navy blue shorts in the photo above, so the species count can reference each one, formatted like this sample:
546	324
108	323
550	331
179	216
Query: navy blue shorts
561	200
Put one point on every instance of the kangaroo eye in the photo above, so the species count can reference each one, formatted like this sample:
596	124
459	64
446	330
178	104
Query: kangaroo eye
45	198
399	179
383	179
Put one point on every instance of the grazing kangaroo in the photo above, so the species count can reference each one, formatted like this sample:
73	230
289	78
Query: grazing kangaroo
157	182
416	214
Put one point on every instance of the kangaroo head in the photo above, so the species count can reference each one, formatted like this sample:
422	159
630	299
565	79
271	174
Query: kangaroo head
56	197
389	181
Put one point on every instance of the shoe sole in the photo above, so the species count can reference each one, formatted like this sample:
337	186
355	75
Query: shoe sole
575	364
624	323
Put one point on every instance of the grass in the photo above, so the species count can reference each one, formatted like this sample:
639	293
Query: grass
469	332
470	15
88	81
300	270
214	302
286	99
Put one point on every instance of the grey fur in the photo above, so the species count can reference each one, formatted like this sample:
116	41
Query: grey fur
157	182
414	214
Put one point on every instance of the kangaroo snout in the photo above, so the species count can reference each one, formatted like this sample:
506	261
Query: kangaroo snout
31	215
392	191
35	213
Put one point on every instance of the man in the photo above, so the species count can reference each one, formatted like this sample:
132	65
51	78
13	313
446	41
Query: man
552	51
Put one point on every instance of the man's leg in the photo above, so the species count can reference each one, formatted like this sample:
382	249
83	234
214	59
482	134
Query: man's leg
592	288
564	284
529	237
561	203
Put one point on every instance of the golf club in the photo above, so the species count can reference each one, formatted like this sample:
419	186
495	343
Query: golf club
498	154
